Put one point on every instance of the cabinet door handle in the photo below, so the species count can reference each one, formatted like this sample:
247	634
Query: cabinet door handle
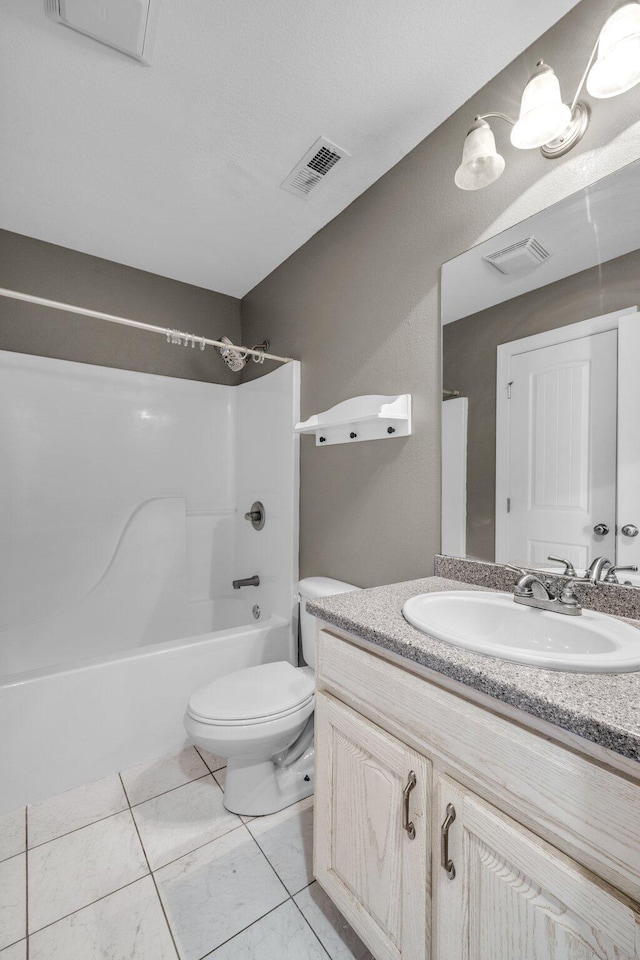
445	862
406	823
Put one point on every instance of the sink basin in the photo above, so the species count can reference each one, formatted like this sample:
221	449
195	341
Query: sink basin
492	624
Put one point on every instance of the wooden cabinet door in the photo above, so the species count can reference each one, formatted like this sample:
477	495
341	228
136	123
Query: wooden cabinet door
373	870
515	897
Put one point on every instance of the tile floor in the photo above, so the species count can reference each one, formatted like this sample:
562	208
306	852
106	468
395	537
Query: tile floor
148	865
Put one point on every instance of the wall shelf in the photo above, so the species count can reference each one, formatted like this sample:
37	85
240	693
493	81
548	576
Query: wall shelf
361	418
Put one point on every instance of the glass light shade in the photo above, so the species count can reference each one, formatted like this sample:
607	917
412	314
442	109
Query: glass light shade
617	66
481	162
543	115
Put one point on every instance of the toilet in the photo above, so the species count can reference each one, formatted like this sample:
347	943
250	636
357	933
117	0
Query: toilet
261	720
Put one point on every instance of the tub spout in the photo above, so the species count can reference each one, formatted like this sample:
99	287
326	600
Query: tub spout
253	581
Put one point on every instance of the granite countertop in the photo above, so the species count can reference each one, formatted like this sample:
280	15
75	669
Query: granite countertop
603	708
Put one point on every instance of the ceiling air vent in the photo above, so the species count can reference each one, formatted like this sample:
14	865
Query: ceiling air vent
520	257
312	170
126	25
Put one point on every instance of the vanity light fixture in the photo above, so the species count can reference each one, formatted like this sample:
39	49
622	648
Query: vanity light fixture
481	162
617	66
545	121
543	115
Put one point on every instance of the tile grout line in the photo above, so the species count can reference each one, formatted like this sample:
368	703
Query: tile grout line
129	806
291	895
16	942
195	849
205	762
246	825
248	926
188	853
308	922
259	919
288	895
36	846
20	852
14	856
170	790
153	879
84	907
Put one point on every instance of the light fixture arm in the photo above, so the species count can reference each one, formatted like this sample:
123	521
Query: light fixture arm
498	116
583	79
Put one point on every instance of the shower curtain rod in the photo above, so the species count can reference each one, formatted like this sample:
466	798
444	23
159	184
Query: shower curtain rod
166	331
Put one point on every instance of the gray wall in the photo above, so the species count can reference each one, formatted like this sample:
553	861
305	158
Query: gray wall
469	365
56	273
358	304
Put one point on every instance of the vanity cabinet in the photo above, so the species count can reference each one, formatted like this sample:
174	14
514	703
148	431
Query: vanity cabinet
510	895
372	831
532	850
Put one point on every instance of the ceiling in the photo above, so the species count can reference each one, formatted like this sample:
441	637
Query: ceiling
176	168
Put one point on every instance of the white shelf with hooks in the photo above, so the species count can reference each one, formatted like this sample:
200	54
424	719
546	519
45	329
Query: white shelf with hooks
371	417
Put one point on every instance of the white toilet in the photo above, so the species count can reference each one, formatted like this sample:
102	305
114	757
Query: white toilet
261	720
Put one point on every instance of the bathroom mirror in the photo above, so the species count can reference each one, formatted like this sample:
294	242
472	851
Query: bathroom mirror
541	386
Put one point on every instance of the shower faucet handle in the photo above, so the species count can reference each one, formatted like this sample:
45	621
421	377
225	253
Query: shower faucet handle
257	515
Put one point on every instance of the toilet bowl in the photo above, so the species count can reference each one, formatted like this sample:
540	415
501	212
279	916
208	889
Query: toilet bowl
261	720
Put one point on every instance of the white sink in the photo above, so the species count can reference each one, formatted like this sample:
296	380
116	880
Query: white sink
492	624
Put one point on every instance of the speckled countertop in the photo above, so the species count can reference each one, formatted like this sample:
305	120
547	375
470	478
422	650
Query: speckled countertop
603	708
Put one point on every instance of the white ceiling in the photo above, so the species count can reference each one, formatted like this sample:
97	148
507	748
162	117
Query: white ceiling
175	168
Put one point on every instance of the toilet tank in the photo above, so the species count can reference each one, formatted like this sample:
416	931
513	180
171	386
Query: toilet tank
312	588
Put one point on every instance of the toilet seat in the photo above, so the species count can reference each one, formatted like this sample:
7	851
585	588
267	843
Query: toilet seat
255	695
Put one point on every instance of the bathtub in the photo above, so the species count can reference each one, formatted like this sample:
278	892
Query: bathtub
68	724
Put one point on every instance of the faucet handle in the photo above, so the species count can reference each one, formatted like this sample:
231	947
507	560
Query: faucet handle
533	574
521	573
569	569
568	597
612	571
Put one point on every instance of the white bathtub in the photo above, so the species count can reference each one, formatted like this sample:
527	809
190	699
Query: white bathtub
68	725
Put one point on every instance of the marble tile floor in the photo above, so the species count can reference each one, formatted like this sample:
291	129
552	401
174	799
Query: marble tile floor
148	865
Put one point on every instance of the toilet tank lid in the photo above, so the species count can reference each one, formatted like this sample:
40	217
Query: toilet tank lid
314	587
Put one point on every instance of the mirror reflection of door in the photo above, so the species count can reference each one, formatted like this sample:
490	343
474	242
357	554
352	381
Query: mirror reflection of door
557	493
568	444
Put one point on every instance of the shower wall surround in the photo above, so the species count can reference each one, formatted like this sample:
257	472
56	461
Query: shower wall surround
122	506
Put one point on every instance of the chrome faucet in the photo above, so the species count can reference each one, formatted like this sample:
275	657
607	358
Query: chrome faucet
597	568
600	570
531	591
253	581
